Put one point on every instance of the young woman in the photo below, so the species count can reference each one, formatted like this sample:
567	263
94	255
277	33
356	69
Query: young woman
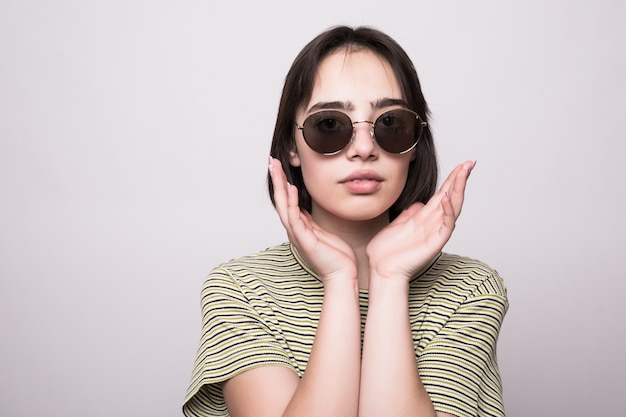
360	313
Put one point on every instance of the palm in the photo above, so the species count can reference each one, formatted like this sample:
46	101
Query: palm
419	233
327	254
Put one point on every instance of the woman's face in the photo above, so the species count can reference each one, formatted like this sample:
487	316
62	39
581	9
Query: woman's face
362	181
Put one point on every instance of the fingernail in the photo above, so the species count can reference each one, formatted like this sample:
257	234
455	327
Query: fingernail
289	188
469	170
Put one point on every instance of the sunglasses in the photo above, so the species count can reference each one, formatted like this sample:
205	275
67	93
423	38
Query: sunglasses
329	131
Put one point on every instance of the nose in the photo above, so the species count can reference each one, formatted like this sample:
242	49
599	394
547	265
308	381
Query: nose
363	144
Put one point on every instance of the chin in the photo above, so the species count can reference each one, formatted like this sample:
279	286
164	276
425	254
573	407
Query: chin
364	216
354	211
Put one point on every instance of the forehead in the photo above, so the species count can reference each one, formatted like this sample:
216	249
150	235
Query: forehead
354	76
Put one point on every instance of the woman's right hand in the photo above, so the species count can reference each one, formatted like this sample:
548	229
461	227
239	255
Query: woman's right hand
327	254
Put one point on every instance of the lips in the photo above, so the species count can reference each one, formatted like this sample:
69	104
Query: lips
364	175
362	182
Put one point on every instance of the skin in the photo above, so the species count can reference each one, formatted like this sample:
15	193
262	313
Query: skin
348	240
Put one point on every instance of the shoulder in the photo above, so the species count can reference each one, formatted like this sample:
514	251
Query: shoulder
274	255
267	261
272	268
464	276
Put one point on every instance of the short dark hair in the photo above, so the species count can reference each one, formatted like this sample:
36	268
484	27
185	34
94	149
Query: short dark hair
422	175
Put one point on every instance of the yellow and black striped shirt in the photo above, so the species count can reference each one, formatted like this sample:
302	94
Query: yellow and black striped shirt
263	310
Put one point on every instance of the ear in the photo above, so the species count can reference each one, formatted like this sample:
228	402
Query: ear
294	158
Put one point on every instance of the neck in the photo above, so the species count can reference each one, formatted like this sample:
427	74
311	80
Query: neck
357	234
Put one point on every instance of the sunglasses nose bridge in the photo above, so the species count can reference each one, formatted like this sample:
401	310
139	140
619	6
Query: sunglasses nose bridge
363	121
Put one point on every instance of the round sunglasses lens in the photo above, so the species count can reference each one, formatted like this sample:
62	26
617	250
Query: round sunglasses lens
397	131
327	131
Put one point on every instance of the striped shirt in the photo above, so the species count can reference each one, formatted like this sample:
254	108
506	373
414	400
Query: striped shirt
263	310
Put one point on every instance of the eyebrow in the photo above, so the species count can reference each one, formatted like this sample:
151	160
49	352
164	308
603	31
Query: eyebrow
389	102
348	106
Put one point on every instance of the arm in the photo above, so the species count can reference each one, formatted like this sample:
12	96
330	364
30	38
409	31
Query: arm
330	384
458	366
390	381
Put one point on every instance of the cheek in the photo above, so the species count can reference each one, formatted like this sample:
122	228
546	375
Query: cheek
313	178
313	169
402	175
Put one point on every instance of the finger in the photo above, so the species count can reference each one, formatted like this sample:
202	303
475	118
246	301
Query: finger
461	170
445	186
457	189
292	200
279	183
464	167
304	230
449	217
310	225
308	220
296	220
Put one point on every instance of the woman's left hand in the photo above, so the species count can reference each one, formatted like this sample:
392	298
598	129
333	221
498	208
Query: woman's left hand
409	243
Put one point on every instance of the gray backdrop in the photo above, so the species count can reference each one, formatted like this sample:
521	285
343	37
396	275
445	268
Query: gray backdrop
134	137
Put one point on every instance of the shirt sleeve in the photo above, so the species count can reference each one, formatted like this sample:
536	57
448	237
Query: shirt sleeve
235	338
459	366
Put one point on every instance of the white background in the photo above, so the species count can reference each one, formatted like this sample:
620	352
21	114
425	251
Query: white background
134	138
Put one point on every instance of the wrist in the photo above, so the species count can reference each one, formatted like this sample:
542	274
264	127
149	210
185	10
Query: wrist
340	282
388	282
